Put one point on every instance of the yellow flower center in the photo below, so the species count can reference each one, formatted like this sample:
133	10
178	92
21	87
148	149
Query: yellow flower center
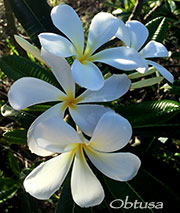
82	58
70	101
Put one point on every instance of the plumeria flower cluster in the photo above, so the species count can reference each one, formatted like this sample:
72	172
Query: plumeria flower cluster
134	35
100	131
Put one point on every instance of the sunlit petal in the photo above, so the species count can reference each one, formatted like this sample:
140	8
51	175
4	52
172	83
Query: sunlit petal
61	70
68	22
123	33
28	91
138	33
86	116
154	49
143	65
54	135
57	45
118	166
29	48
119	57
47	178
85	187
112	132
51	112
87	75
103	27
164	72
114	87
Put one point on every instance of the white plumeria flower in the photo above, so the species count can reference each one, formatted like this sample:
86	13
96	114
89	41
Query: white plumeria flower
29	91
111	133
134	34
103	27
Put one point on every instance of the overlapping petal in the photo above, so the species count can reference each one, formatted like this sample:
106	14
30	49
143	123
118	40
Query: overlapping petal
103	27
61	70
86	116
122	33
29	48
54	111
67	21
57	45
87	75
55	135
138	34
164	72
119	57
154	49
28	91
118	166
112	132
85	187
114	87
47	178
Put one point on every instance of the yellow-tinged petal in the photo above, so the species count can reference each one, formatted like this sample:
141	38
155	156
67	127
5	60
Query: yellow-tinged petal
29	48
86	188
47	178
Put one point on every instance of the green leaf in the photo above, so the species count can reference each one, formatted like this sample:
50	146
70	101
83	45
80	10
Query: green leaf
149	112
135	75
146	82
158	28
8	188
160	33
175	88
65	203
13	163
158	130
16	67
23	117
151	184
17	136
34	16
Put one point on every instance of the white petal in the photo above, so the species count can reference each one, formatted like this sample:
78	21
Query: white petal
143	65
103	27
123	33
87	75
47	178
61	70
112	132
51	112
138	34
68	22
57	45
86	116
164	72
28	91
54	135
154	49
85	187
29	48
123	58
114	87
118	166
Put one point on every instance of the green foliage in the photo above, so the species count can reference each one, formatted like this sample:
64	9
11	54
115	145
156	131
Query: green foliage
8	188
19	116
150	112
146	82
147	187
17	136
158	28
16	67
34	16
